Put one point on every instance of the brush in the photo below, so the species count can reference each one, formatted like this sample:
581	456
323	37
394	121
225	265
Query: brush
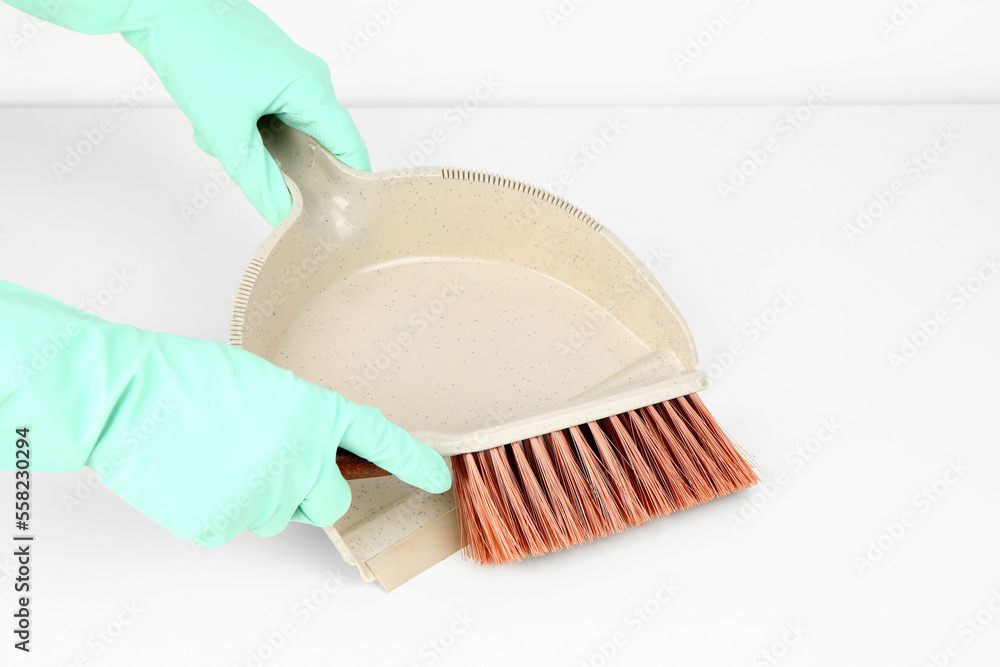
571	486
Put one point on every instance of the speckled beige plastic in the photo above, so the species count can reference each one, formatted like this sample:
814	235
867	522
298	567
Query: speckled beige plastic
472	309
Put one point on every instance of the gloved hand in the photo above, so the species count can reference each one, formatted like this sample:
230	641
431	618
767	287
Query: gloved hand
206	439
226	64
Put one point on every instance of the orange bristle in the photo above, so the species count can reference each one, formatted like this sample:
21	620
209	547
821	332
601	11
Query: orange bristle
562	507
658	456
623	487
708	467
650	491
552	533
723	448
572	478
598	479
572	486
532	542
700	488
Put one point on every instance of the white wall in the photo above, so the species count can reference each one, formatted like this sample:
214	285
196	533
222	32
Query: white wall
431	52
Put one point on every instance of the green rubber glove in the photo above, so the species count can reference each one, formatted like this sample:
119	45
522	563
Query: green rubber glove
226	64
204	438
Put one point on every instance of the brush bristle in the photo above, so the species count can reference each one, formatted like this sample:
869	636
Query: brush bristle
572	486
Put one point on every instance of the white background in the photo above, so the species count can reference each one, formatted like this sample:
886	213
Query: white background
592	52
803	556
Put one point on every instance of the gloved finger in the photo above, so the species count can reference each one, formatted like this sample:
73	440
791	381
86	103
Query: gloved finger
332	126
242	154
273	524
327	501
372	436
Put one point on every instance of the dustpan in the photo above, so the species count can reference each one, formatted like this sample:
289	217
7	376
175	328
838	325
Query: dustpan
472	309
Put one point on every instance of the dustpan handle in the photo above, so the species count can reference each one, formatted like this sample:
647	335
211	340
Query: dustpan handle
294	151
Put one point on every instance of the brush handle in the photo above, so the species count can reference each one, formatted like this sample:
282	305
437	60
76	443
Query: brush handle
353	466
